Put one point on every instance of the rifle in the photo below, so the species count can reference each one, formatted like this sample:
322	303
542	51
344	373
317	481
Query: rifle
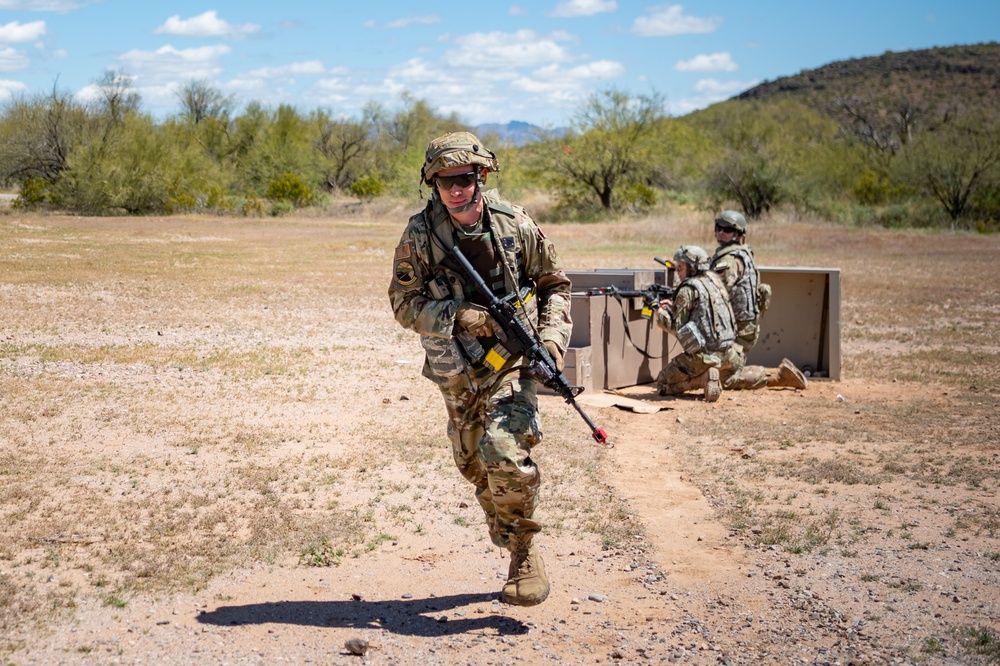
522	341
651	296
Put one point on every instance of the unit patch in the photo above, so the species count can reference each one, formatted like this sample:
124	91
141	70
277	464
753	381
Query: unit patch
404	273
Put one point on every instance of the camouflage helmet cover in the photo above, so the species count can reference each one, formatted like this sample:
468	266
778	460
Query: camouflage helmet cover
732	220
693	256
455	149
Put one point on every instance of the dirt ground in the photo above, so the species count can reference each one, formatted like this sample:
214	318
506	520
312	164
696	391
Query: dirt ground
216	447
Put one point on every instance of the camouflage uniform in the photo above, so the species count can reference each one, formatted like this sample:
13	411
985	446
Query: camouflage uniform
735	263
493	420
704	323
700	305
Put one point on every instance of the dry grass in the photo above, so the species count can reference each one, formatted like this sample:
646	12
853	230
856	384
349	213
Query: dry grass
184	396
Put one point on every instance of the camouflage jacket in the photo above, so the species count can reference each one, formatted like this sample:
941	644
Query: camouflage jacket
425	292
701	306
735	263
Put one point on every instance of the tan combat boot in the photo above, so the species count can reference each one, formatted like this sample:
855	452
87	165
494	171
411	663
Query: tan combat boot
788	375
713	387
526	583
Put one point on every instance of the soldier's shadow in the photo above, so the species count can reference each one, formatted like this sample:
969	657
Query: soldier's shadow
431	617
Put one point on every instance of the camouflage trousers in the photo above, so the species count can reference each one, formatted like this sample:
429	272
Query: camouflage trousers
681	374
492	429
683	371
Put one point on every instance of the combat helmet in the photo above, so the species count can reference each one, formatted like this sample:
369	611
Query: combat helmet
455	149
732	220
693	256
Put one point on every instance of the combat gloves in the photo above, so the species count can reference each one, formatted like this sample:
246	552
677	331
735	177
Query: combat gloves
556	355
475	319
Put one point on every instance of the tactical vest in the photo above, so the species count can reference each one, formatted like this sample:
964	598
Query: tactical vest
743	297
450	357
712	315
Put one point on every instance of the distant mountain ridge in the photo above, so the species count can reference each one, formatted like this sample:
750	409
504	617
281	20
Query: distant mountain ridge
931	78
935	80
517	132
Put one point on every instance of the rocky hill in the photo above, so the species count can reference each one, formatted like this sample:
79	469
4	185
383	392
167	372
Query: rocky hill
932	79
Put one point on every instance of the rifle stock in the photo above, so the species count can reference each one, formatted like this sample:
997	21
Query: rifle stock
522	341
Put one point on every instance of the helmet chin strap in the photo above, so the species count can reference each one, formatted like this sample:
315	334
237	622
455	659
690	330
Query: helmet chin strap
476	196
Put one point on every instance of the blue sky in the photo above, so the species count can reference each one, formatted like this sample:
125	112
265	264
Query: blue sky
495	61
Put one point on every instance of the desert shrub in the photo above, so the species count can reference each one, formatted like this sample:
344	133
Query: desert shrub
289	188
33	192
368	187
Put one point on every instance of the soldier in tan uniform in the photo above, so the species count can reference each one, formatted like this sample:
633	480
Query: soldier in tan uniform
702	318
493	420
734	261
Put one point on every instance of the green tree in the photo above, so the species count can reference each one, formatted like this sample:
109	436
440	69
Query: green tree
402	139
343	145
749	176
266	144
117	97
201	101
608	149
117	172
776	151
37	136
952	162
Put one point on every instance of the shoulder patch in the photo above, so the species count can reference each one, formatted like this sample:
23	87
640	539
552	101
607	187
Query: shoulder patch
404	273
404	251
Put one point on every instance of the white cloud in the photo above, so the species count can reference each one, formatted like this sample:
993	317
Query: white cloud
709	92
572	8
555	78
19	33
416	70
240	84
168	64
204	25
714	62
517	11
524	48
287	71
58	6
668	20
331	85
10	88
716	87
414	20
12	60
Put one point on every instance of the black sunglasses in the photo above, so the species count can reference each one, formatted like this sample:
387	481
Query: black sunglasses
462	180
719	227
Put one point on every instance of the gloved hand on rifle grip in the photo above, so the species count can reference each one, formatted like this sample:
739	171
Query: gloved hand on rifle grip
475	319
556	355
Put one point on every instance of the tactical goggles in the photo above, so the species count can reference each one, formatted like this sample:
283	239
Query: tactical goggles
724	227
463	180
